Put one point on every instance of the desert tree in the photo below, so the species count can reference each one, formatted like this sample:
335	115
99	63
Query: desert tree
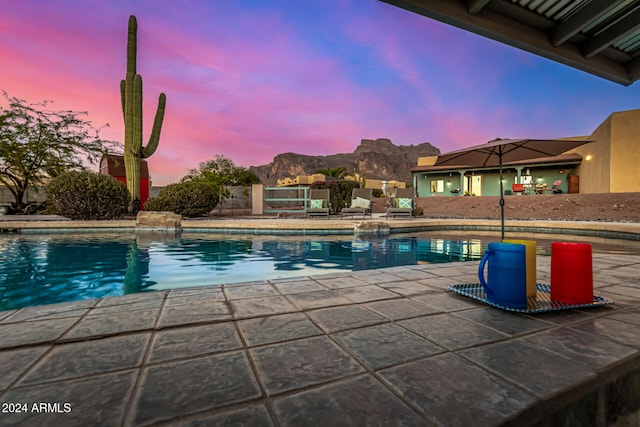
221	172
37	143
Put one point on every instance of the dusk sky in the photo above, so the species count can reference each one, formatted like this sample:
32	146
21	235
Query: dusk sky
250	79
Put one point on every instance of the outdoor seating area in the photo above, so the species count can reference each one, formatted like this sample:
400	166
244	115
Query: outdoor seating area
361	200
319	203
402	203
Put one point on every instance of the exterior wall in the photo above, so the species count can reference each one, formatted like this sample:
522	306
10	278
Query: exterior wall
32	195
595	169
625	152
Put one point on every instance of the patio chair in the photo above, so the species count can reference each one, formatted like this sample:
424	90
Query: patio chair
402	204
360	203
555	188
517	188
319	203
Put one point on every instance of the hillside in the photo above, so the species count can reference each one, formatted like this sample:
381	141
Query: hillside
380	158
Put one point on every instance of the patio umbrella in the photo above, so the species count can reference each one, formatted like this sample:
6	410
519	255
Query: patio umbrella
501	151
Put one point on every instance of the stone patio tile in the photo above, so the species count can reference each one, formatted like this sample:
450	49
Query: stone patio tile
250	291
143	301
298	286
538	371
562	317
335	319
440	283
328	275
5	314
99	400
178	389
114	323
361	401
367	293
451	391
194	341
252	307
374	277
125	300
589	350
197	290
195	298
629	316
504	321
14	363
28	333
406	287
318	299
301	363
386	345
53	311
625	271
342	282
629	291
451	332
454	270
447	301
79	359
194	313
398	309
414	274
251	416
620	332
271	329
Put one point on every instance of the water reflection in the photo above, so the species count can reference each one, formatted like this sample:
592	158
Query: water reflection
44	269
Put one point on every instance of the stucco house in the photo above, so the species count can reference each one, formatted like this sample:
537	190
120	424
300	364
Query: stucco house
609	164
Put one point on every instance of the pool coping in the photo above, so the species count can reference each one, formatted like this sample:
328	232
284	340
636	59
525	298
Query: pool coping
303	226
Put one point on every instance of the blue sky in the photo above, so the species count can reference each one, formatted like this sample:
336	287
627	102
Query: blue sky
249	79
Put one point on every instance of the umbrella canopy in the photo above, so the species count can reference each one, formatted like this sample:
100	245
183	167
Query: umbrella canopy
501	151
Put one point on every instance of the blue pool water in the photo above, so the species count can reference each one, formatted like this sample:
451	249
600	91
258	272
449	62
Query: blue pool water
45	269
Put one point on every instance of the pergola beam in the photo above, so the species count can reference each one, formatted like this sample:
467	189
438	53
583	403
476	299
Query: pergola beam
475	6
582	18
626	25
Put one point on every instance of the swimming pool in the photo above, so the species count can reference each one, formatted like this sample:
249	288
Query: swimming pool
45	269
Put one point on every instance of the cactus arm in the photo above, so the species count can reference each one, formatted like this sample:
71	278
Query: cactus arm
123	94
157	126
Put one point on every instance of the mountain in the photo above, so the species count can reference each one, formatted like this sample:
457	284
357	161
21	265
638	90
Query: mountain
380	158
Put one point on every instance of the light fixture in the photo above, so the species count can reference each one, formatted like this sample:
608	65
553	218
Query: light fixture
527	172
588	157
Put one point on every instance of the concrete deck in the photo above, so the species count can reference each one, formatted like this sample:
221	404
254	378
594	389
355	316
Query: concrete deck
387	347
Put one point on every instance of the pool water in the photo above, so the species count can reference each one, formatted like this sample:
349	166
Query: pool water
45	269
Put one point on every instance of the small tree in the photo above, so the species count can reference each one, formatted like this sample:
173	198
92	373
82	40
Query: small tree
37	143
337	172
221	172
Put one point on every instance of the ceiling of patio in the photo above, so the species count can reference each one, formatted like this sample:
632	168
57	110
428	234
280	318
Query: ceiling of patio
601	37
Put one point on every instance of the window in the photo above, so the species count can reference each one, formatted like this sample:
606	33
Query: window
437	186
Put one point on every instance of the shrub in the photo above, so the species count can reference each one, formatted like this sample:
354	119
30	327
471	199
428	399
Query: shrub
87	195
188	198
339	192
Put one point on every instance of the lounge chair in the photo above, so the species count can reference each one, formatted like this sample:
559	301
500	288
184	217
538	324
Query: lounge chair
360	203
319	203
402	203
555	188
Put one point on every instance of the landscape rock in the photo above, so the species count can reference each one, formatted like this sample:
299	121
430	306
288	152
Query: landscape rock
158	221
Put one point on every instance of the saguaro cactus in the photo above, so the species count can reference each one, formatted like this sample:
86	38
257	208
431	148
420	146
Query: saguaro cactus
131	93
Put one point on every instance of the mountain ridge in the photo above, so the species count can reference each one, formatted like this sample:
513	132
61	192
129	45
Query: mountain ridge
379	158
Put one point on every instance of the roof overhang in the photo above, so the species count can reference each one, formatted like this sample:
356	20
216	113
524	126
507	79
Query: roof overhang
601	37
561	160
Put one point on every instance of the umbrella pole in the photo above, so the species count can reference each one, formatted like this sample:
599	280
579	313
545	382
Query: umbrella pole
501	197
